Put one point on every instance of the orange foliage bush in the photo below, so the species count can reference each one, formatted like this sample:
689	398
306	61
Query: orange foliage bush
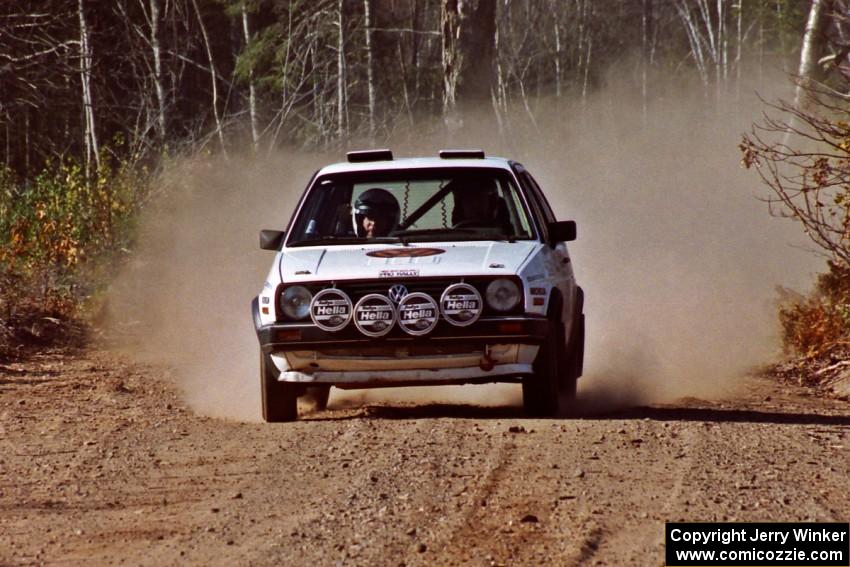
812	325
59	233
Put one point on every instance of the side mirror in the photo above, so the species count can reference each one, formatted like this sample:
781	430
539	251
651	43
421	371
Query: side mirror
562	231
271	239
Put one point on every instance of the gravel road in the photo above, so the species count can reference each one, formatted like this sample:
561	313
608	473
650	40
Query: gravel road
101	463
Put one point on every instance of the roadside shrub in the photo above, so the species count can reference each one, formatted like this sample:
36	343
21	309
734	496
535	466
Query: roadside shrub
814	324
61	234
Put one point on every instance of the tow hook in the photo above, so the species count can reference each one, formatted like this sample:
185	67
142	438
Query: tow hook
487	363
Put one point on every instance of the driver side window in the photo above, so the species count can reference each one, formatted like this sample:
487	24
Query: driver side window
328	214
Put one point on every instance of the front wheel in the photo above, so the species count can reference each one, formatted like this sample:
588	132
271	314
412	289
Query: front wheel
542	390
573	363
279	399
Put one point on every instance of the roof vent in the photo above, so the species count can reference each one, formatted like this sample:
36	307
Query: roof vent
369	155
462	154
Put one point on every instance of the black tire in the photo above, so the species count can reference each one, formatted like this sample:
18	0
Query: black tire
320	396
279	399
573	363
541	391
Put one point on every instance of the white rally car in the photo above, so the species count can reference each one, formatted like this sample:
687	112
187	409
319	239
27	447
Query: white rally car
407	272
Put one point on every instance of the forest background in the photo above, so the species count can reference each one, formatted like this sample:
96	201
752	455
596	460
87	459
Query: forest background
99	99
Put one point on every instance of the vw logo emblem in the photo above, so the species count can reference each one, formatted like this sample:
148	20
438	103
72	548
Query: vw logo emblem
397	292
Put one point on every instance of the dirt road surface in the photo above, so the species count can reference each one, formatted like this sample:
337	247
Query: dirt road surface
101	464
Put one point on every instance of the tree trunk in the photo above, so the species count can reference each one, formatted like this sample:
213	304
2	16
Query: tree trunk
694	38
404	90
810	50
581	8
557	29
27	145
157	71
213	77
416	55
90	135
252	94
468	36
646	22
586	70
370	75
500	95
738	45
340	79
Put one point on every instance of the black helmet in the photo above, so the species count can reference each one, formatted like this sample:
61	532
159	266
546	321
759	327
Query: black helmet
475	199
375	203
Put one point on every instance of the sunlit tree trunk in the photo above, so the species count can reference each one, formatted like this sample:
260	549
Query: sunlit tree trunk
27	144
341	102
646	23
739	46
252	93
417	55
157	71
556	24
810	50
581	8
370	75
586	69
468	38
90	134
213	78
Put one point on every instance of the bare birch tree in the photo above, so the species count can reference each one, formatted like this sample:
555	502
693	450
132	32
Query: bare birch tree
252	93
219	131
810	49
468	33
156	51
808	172
314	72
342	103
90	130
370	73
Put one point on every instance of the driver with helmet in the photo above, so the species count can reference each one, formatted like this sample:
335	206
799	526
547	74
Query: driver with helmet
478	204
375	213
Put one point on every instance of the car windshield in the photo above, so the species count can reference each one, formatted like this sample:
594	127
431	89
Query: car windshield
411	205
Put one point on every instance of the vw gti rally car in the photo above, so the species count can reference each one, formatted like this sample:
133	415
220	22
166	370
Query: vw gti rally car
407	272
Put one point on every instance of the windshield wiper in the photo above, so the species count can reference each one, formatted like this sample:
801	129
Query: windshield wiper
345	240
429	231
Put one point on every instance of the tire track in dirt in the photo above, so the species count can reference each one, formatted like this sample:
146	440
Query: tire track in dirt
522	517
106	466
460	540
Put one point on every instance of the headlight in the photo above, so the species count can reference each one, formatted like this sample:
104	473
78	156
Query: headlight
502	295
295	302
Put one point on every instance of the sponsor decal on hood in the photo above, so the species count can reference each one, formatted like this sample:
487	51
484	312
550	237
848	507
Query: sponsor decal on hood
398	274
346	262
405	252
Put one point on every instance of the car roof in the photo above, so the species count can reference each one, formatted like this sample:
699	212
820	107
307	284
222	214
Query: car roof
417	163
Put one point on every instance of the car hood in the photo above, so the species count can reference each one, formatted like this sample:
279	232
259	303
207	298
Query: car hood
395	260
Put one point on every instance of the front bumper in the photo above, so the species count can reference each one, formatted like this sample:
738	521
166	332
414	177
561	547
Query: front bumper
305	336
351	379
493	349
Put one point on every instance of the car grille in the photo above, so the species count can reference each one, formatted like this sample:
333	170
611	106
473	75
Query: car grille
434	287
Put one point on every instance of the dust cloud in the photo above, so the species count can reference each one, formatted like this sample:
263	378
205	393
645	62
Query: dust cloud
677	257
